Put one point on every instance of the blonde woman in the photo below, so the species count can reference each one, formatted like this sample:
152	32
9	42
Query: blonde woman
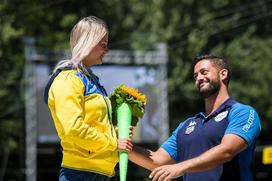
81	109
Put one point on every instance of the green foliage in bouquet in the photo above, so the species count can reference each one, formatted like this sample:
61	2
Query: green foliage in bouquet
136	100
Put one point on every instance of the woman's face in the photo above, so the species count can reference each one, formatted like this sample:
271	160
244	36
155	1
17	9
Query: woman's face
96	55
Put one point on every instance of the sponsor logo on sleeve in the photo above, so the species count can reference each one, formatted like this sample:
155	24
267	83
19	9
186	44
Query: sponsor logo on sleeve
249	123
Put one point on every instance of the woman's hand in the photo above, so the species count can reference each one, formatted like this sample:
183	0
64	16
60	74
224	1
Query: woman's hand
125	145
131	129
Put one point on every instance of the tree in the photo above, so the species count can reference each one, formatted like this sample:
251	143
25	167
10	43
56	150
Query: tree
240	30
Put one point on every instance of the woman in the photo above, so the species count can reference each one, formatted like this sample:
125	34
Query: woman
81	109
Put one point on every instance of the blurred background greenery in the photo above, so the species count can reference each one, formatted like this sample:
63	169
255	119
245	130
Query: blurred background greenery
240	30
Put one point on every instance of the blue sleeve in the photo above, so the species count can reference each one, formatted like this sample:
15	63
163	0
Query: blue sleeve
244	122
170	145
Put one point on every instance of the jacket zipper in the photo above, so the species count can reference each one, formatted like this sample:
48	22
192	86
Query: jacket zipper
109	116
103	92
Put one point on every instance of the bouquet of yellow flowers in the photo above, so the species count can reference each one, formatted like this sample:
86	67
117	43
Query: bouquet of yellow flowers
128	105
133	98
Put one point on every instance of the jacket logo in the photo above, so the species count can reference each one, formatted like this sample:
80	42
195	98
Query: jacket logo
190	128
221	116
192	123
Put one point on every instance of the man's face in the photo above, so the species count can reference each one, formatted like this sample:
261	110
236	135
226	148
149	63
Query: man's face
207	78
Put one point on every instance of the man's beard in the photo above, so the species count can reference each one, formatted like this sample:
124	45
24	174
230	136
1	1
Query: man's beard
213	88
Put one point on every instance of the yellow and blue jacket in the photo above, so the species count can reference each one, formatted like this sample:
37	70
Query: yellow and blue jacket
81	112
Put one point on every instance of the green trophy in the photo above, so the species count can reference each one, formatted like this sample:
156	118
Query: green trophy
123	123
128	105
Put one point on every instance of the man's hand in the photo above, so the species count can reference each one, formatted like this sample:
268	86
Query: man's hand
230	145
166	172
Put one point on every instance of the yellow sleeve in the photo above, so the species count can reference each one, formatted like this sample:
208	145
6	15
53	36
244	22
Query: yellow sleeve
67	95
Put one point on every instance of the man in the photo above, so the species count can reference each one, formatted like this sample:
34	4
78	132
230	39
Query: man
215	145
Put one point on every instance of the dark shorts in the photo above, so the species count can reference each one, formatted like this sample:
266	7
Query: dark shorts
66	174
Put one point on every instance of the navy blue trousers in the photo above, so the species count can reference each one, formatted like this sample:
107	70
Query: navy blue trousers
67	174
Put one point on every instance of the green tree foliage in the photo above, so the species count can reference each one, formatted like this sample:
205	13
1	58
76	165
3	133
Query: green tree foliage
239	30
11	71
250	57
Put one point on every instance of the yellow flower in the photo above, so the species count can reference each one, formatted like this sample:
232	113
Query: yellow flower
134	93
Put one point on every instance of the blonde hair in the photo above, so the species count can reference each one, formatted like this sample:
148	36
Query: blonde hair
84	36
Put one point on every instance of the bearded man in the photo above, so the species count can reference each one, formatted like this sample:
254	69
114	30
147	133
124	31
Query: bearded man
214	145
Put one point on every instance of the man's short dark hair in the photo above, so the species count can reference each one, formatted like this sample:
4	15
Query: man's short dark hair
219	62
